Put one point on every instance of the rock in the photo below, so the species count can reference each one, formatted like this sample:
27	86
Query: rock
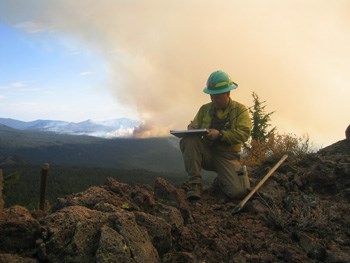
89	198
330	175
118	188
112	247
135	237
129	244
171	215
158	230
18	230
347	133
339	148
73	233
165	191
175	257
143	199
13	258
79	234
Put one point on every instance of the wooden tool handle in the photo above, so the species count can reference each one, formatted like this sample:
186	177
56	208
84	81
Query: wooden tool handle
256	188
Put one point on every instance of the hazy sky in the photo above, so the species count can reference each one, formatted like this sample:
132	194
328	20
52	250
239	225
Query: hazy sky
88	59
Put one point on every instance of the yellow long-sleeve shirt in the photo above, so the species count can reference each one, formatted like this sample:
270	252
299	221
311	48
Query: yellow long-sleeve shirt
236	133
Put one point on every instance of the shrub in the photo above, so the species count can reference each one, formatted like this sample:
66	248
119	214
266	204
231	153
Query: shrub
276	145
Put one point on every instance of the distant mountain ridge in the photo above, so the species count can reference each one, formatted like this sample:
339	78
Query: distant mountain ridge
37	147
107	129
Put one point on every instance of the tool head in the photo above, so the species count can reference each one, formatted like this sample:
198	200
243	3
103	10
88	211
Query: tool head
236	209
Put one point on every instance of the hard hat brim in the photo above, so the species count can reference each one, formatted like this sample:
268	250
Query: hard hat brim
219	91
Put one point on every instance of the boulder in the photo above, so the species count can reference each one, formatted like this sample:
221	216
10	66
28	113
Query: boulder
80	234
18	230
168	193
158	229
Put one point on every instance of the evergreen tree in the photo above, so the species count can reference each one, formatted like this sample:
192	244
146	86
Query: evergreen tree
260	120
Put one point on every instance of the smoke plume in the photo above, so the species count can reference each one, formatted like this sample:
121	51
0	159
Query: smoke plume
293	54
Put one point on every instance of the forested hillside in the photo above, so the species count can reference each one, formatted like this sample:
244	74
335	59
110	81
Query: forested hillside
13	139
22	183
153	154
78	162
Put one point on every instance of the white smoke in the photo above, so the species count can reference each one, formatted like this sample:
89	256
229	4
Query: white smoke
294	54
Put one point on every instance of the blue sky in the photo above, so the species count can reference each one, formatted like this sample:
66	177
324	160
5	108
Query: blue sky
47	76
149	60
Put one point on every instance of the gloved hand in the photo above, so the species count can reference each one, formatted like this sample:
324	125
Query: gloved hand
192	126
213	134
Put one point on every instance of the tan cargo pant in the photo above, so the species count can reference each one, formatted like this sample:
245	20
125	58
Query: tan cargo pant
197	155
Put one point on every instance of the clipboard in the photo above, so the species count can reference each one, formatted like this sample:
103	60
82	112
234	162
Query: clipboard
182	133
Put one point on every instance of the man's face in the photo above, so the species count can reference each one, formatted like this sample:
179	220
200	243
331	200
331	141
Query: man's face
220	101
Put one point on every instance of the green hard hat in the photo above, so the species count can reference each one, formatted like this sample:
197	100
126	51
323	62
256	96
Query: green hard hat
219	82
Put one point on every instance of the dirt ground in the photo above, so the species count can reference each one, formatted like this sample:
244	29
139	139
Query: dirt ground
301	214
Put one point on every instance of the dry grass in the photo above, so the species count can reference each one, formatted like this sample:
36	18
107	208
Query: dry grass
258	152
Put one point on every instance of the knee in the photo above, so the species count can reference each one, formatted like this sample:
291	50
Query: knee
237	195
236	189
189	141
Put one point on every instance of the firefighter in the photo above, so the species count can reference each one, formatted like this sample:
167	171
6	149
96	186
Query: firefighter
229	126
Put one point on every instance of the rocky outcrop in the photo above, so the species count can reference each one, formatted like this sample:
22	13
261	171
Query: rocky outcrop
109	224
299	215
347	133
19	233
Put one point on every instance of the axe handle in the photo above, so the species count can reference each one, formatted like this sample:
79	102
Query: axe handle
256	188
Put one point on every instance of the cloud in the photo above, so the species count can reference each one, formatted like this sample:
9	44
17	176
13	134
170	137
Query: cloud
33	27
18	84
87	73
15	85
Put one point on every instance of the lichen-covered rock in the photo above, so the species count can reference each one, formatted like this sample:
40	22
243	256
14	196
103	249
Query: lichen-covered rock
89	198
166	192
18	230
163	190
73	234
112	247
80	234
158	229
172	215
135	236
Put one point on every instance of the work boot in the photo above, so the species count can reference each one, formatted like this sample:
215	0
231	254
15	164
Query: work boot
194	193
